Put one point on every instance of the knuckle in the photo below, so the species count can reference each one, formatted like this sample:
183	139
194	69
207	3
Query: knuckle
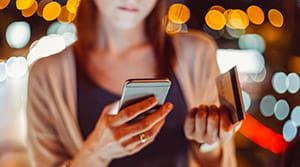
213	115
201	114
145	124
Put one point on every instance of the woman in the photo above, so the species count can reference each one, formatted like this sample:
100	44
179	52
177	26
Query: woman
72	93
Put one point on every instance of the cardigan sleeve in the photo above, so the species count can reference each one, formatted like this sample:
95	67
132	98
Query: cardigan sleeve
196	53
44	146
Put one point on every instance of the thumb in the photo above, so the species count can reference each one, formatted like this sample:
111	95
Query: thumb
112	109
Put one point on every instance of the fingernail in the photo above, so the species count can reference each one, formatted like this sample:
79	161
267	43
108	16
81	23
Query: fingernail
169	105
152	99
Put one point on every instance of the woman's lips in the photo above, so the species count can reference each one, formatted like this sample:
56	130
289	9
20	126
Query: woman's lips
128	9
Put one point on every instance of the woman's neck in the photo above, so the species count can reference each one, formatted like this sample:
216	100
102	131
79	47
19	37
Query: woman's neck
116	40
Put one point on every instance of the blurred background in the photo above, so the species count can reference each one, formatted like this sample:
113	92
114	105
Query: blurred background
260	37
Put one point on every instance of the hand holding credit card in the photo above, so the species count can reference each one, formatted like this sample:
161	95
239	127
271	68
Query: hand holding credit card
230	94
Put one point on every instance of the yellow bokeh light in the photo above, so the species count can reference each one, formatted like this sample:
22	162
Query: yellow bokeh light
72	5
4	4
1	60
65	16
24	4
30	11
215	19
256	14
179	13
41	6
275	18
51	11
237	19
218	7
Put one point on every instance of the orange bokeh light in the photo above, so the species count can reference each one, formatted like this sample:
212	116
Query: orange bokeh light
4	4
215	19
276	18
179	13
51	11
237	19
31	10
65	16
24	4
256	14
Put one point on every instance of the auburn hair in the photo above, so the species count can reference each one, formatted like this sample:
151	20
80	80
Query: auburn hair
87	20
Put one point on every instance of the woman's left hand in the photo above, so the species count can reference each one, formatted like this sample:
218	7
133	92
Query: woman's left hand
208	124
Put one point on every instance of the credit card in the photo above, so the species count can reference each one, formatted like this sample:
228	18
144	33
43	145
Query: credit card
230	94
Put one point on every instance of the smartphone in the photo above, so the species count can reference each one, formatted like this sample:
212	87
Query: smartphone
136	90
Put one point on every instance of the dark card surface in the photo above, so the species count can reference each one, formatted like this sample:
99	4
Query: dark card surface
230	94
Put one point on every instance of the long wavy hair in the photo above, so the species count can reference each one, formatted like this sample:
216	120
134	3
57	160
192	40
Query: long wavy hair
86	22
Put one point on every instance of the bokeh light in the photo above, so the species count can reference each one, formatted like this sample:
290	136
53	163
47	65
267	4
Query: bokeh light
289	131
247	100
276	18
41	6
293	83
279	82
179	13
281	109
267	105
295	116
65	16
252	41
66	30
72	5
218	7
247	61
215	19
256	14
51	11
258	77
173	28
16	67
2	72
4	4
237	19
31	10
24	4
235	33
18	34
216	34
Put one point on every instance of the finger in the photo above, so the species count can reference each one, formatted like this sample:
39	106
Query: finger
148	122
201	123
132	111
135	140
212	129
189	125
226	127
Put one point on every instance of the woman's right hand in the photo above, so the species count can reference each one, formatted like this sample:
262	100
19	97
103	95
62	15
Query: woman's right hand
113	138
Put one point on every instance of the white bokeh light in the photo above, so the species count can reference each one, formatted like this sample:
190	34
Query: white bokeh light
67	30
46	46
293	83
289	131
247	100
2	72
247	61
281	109
18	34
280	82
252	41
295	116
16	67
267	105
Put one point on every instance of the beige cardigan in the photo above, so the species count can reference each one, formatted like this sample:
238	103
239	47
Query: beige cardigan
53	131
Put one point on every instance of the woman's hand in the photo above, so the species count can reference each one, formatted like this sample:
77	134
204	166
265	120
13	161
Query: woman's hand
114	138
208	124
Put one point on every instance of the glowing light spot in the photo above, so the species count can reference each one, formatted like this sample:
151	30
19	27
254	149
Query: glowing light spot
259	77
24	4
215	19
256	14
65	16
41	6
235	33
237	19
66	30
173	28
289	131
72	5
218	7
293	83
31	10
51	11
4	4
252	41
281	109
18	34
295	116
179	13
279	82
247	100
16	67
267	105
247	61
275	18
2	72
